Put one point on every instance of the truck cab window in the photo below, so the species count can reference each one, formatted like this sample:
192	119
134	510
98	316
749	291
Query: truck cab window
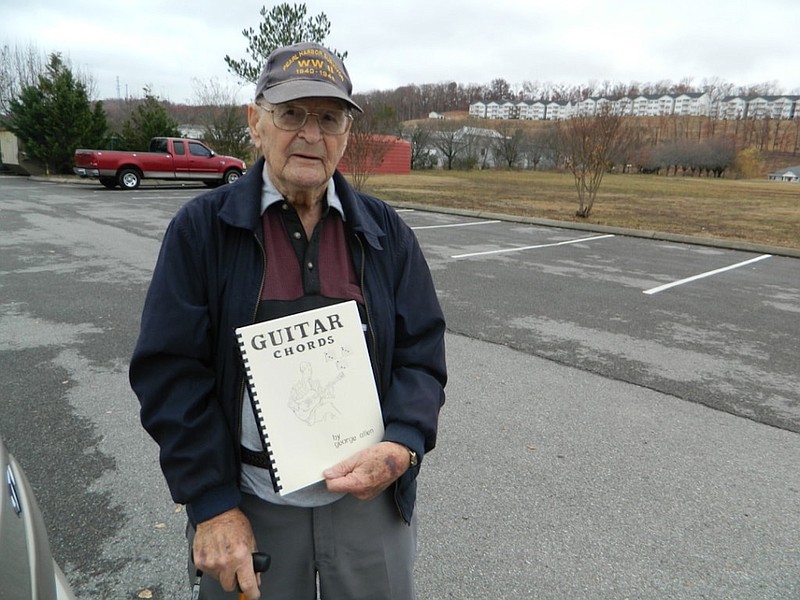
180	149
158	145
196	149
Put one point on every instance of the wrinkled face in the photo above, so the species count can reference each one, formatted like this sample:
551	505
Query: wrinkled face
301	161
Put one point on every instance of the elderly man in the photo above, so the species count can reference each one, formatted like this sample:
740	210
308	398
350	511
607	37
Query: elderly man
289	236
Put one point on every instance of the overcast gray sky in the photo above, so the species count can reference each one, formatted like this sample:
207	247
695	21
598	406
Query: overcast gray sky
167	45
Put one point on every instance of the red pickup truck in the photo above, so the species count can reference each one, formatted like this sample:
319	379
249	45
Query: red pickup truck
168	158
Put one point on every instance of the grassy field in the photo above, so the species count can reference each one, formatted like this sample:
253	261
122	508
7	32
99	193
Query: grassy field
756	211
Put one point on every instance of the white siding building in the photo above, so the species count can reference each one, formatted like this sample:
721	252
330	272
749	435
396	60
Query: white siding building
689	104
558	111
790	174
477	110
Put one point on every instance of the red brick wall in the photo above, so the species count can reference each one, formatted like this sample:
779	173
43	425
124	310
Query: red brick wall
396	161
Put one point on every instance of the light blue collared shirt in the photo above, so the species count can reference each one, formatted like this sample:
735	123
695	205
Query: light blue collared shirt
270	194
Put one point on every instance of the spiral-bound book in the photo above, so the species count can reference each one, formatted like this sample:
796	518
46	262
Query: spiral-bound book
313	391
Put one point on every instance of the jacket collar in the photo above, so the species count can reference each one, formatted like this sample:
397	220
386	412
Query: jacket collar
241	200
241	205
358	218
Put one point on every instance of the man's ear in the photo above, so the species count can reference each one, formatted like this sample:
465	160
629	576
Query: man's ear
253	115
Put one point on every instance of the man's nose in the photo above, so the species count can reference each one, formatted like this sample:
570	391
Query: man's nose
312	127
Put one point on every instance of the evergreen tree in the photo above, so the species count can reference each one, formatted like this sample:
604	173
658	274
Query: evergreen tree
150	119
284	25
55	117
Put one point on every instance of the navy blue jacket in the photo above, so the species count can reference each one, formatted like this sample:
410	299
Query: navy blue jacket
185	368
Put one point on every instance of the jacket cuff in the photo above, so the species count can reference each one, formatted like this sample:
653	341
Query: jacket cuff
407	435
213	502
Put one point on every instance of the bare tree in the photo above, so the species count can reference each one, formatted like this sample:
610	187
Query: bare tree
500	89
536	148
420	138
223	119
449	141
509	149
475	149
369	143
19	68
588	145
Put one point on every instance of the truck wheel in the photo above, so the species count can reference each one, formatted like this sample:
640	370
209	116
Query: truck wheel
129	179
231	175
109	182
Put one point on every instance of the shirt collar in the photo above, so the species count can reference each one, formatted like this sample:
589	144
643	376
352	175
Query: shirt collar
270	194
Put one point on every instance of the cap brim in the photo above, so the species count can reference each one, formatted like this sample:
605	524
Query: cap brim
299	88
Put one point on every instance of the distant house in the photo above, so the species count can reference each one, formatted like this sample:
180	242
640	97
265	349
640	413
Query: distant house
9	149
640	104
790	174
13	156
587	107
477	109
693	105
733	107
189	130
772	107
558	111
538	110
473	145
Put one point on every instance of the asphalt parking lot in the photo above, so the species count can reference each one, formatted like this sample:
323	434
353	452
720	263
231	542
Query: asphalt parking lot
711	325
623	413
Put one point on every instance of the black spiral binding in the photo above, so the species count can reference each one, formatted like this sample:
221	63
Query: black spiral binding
273	469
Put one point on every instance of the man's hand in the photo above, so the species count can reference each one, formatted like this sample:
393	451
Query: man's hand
367	473
223	548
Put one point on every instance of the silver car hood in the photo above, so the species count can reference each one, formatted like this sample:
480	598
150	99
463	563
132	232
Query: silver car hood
27	569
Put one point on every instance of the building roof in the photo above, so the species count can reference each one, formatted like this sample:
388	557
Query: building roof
788	170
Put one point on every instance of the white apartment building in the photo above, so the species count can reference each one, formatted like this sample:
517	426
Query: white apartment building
688	104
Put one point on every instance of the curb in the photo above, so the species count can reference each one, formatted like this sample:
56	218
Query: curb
639	233
89	181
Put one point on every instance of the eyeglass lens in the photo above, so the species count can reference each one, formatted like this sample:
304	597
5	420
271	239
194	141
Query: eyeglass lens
290	117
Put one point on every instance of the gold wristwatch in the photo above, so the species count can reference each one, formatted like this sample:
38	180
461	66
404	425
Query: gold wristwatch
413	460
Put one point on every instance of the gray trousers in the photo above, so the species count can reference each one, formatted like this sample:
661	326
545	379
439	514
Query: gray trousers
356	550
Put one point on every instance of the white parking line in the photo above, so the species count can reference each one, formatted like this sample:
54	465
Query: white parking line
666	286
576	241
161	197
454	225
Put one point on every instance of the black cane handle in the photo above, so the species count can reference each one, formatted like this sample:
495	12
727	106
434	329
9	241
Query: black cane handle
261	562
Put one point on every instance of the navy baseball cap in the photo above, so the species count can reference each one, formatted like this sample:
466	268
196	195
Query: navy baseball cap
306	70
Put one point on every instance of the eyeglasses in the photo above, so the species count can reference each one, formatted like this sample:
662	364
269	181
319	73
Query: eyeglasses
291	117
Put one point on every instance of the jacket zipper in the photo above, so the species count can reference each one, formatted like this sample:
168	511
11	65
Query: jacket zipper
370	329
252	320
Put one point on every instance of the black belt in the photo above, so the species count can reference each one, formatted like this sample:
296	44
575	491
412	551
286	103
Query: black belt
255	458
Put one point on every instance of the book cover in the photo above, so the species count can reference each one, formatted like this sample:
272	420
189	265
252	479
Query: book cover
313	391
